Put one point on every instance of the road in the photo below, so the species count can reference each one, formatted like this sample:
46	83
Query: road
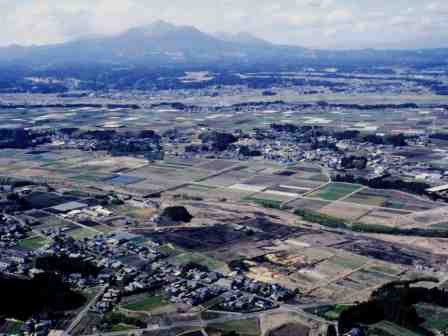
299	309
83	312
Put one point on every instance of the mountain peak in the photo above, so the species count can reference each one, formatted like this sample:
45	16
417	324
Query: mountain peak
159	28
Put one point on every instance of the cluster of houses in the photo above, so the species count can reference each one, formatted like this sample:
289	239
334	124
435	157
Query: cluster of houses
274	292
107	301
11	231
237	301
192	292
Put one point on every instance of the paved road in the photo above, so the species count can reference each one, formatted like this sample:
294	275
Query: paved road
229	317
83	312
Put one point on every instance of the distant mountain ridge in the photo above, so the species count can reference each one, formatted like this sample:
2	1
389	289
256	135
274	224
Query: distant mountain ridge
162	43
242	38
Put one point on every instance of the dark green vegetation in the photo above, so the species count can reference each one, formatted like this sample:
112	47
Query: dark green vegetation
66	265
387	182
45	293
270	204
325	220
118	322
395	303
337	223
176	214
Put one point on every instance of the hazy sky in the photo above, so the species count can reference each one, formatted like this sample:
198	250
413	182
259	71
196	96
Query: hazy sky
310	23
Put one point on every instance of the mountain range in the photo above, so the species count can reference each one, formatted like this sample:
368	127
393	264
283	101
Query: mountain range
163	43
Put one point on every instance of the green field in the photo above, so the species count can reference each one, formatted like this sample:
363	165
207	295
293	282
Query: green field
147	303
197	258
79	234
440	226
33	243
335	191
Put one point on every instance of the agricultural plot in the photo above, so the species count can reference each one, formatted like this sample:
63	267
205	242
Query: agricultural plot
91	177
435	219
309	204
380	217
370	278
160	178
293	191
335	191
227	179
369	197
266	180
349	260
109	164
145	302
218	165
302	183
343	210
197	190
262	167
272	195
123	180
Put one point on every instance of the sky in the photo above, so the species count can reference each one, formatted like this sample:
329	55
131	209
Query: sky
339	24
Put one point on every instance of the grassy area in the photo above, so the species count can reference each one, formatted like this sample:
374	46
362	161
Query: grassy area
121	327
79	234
140	214
245	327
335	312
33	243
198	258
335	191
344	262
147	303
